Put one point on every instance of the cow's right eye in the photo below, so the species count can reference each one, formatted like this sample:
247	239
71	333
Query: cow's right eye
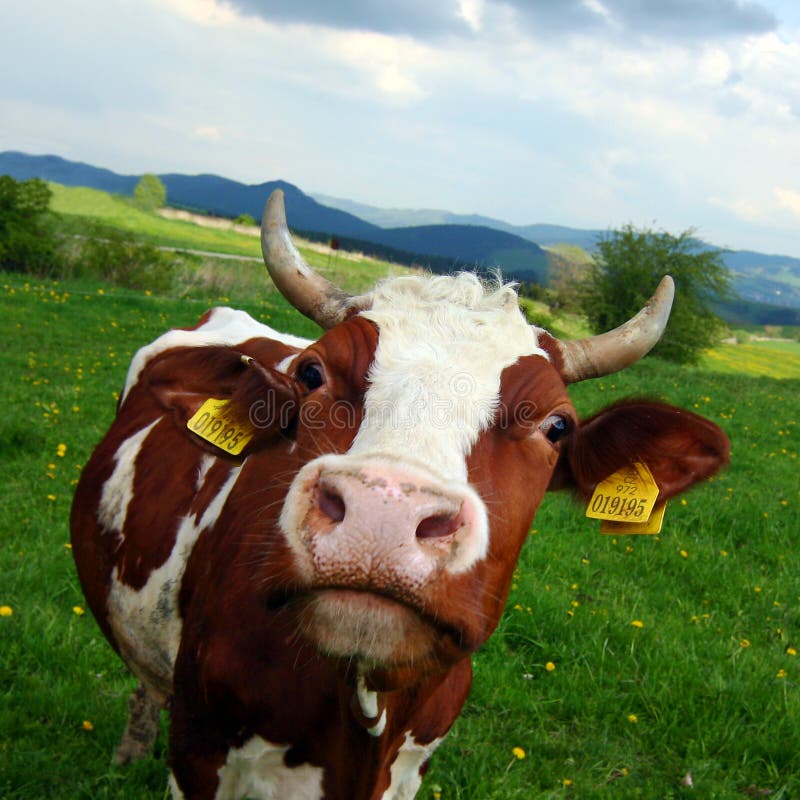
556	427
311	375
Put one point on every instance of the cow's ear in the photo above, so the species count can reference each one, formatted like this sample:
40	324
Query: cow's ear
679	448
261	399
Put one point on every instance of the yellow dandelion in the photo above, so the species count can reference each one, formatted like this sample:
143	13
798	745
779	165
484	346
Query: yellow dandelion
78	611
781	673
637	623
633	719
518	752
6	611
790	651
87	726
550	666
684	554
51	497
744	643
757	589
566	782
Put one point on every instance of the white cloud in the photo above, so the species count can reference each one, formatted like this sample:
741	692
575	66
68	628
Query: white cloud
788	199
211	13
209	132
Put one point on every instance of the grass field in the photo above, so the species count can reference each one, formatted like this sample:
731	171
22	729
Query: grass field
622	668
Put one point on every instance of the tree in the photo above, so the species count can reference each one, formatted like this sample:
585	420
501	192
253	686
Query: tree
629	264
150	193
27	240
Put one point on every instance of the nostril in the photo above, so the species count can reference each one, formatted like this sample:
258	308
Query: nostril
438	527
331	504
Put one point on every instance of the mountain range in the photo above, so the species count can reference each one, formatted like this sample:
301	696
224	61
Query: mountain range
437	239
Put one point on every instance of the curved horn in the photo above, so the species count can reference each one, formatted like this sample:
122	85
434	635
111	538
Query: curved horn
609	352
307	291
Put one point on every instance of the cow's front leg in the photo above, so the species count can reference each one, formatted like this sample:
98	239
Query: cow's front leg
141	730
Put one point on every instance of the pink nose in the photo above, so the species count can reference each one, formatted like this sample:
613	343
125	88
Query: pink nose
398	500
376	528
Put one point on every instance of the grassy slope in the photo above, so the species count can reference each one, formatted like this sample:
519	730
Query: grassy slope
709	678
81	206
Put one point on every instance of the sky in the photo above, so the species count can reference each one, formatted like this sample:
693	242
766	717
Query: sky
669	114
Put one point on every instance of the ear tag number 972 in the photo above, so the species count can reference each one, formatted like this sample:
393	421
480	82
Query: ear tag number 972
628	495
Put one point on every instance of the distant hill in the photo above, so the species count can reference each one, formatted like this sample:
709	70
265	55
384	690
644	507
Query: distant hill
759	278
209	193
437	239
459	246
544	235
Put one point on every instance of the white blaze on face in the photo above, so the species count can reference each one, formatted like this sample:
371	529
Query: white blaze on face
435	381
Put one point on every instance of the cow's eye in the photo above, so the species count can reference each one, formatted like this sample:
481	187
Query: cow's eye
555	427
311	375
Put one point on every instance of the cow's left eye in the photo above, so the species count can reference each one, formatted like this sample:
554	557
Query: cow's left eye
555	427
311	375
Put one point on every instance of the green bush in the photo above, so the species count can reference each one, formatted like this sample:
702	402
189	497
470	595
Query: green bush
28	241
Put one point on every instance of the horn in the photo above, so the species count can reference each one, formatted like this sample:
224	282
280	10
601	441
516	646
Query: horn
306	290
609	352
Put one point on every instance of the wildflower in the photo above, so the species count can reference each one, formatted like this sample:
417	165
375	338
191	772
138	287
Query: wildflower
6	611
566	782
633	719
757	589
61	450
68	546
744	643
790	651
518	752
637	623
684	554
78	611
781	673
87	726
550	666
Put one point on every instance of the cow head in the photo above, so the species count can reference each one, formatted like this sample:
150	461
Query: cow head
430	421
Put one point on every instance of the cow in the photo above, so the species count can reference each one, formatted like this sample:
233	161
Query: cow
301	571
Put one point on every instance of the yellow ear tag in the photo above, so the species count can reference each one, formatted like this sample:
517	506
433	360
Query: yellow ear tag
629	495
212	423
653	525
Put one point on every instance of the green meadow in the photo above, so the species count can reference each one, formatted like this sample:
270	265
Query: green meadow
624	667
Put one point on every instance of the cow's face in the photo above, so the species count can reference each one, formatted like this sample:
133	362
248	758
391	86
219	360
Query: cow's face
432	422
